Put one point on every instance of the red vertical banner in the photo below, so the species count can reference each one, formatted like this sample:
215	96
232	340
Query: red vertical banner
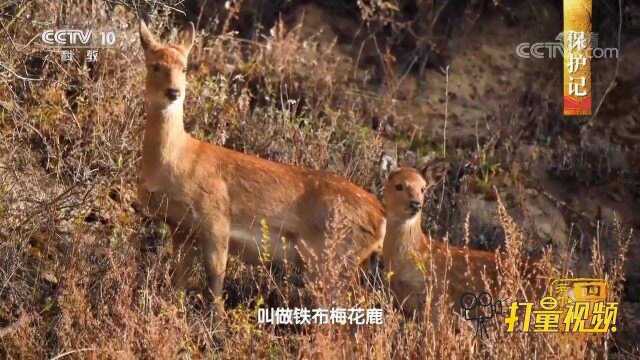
577	50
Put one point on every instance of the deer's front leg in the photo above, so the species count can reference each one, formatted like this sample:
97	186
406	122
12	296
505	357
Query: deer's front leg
215	250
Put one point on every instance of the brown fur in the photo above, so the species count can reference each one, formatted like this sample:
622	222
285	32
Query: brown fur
217	197
405	245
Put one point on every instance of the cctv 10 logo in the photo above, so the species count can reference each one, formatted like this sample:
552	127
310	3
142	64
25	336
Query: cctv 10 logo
74	38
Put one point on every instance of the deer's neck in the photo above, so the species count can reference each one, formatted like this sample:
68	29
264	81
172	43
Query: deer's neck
164	137
402	235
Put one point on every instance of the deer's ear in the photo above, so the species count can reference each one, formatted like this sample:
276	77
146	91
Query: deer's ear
388	165
187	37
148	41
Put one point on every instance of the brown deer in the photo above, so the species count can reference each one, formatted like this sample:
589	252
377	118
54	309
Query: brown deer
215	199
411	257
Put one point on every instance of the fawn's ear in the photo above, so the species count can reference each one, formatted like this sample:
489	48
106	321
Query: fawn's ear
388	165
187	37
148	41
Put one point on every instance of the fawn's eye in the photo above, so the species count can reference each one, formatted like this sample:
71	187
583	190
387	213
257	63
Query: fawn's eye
184	70
155	67
423	189
399	187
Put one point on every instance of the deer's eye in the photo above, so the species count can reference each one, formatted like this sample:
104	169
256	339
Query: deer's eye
155	67
424	188
184	70
399	187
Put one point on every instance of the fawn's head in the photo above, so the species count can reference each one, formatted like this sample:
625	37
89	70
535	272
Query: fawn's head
404	193
166	66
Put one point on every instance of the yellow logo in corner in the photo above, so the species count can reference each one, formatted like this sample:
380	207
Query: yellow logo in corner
572	305
579	290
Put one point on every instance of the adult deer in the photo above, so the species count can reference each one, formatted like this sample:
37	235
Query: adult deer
215	199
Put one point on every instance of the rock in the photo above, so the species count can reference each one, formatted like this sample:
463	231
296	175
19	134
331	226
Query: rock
484	224
542	218
538	217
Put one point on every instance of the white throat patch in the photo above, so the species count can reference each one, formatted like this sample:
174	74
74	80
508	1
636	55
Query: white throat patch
172	107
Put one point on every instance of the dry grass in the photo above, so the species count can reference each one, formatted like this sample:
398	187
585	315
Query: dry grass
85	274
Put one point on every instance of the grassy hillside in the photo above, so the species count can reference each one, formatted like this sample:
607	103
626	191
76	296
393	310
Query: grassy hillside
85	272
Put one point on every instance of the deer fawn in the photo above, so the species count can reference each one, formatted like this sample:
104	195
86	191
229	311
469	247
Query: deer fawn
406	246
217	198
